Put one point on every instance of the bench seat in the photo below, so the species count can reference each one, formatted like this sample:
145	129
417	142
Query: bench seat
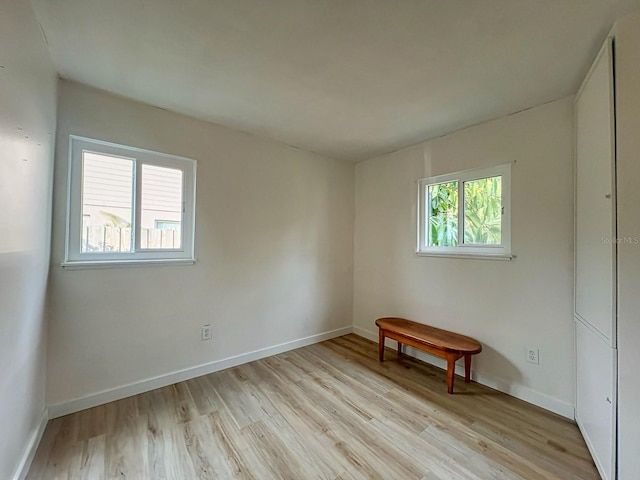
435	341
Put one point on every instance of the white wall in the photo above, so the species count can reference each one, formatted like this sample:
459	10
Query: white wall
627	51
505	305
274	243
27	109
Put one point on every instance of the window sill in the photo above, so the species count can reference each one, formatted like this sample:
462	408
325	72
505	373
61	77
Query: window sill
86	265
471	256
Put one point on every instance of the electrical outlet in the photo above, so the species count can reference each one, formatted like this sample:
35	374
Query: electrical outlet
533	355
206	332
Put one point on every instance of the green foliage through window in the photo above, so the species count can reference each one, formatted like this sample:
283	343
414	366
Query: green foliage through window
443	214
466	214
482	212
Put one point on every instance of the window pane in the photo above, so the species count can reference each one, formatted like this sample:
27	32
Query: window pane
107	187
161	209
442	212
483	211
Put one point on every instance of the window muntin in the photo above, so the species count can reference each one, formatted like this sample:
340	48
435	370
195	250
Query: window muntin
465	213
118	199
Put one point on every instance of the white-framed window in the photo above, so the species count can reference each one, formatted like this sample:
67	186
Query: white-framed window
127	205
466	213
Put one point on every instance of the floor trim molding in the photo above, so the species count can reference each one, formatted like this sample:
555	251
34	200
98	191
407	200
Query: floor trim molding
22	469
123	391
519	391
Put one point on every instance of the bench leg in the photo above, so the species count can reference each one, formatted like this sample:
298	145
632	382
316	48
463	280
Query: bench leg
467	368
451	372
381	345
399	349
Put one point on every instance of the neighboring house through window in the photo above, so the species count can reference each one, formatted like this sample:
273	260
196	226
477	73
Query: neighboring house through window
128	205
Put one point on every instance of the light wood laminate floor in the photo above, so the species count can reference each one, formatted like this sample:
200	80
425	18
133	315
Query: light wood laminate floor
327	411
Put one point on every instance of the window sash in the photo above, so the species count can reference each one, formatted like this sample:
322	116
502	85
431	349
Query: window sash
465	248
73	253
427	226
85	190
138	209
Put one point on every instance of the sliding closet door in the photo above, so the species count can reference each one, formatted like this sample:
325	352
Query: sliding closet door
595	278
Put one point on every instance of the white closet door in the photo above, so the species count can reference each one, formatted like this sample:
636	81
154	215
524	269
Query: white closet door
595	278
595	198
596	397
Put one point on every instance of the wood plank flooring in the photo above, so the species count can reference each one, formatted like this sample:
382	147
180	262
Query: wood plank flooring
327	411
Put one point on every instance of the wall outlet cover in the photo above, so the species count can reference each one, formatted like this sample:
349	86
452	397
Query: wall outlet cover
533	355
206	332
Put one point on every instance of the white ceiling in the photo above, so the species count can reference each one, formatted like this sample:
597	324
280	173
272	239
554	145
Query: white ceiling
346	78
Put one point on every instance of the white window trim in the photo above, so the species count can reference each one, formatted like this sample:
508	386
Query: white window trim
74	258
495	252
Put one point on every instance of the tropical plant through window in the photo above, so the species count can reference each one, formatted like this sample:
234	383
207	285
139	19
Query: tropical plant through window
482	212
443	214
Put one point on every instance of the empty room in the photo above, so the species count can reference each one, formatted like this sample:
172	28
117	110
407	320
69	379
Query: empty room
319	239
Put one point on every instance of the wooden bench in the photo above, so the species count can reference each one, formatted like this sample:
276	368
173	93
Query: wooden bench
435	341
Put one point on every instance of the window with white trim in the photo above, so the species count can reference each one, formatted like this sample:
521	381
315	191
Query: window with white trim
466	213
127	205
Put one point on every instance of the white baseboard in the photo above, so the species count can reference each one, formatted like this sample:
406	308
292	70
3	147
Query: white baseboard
123	391
527	394
519	391
24	464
